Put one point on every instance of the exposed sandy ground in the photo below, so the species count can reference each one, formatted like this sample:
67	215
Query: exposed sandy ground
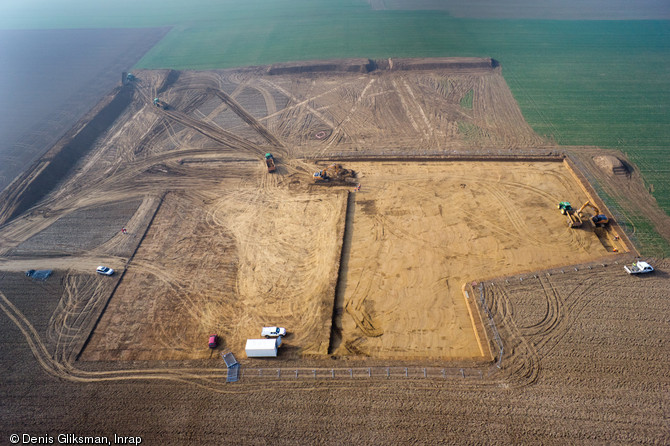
625	186
228	262
217	243
423	230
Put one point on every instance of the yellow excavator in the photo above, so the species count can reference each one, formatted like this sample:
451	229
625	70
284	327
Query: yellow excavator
598	219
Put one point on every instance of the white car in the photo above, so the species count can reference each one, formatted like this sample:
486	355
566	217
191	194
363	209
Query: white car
638	268
104	270
273	332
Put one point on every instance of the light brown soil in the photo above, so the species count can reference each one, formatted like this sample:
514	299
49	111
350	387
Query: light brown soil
610	164
227	261
218	244
423	230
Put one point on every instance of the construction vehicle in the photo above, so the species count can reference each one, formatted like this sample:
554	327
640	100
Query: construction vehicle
574	221
334	172
130	77
270	162
564	207
160	104
597	218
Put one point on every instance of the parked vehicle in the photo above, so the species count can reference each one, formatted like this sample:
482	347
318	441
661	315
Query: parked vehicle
104	270
262	348
639	267
273	332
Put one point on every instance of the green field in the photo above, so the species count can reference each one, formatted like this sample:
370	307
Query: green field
602	83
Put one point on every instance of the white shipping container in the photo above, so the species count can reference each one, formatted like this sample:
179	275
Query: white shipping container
262	348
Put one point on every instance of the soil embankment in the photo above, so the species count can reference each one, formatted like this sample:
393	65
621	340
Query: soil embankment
368	65
343	65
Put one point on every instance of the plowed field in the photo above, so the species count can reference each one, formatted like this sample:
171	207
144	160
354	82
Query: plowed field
444	301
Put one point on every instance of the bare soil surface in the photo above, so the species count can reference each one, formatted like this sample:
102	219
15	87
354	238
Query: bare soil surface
227	261
68	235
422	230
425	269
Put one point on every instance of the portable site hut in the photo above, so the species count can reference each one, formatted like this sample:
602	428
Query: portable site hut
262	348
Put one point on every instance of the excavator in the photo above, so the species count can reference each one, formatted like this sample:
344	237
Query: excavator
332	172
598	219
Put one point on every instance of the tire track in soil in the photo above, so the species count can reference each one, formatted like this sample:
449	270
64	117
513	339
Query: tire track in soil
304	103
553	315
199	377
339	128
522	366
354	304
250	119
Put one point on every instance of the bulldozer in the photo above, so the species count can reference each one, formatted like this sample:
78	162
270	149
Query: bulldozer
334	172
598	219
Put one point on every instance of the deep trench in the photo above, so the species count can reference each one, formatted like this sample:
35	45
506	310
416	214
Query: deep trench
338	305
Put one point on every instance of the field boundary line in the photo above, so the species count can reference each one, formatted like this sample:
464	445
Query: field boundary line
496	335
466	297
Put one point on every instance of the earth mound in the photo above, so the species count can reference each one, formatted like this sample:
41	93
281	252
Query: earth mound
610	164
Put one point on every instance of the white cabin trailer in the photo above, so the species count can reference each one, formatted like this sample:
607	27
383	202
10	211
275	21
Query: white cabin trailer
262	348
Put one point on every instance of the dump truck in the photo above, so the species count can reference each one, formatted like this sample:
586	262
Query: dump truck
270	162
262	348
